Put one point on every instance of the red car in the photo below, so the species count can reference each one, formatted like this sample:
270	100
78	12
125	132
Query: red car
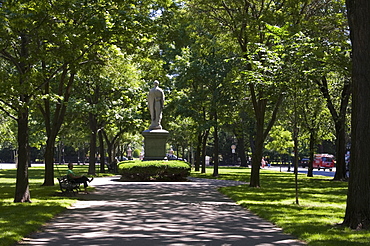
324	161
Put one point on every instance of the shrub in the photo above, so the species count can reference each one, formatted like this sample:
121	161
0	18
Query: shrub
154	171
136	153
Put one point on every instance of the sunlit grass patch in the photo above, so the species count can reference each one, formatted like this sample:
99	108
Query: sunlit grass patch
321	208
20	219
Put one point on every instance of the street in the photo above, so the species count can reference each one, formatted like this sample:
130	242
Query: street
275	168
13	166
303	170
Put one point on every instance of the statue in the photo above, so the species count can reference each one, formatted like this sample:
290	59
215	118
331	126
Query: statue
155	105
155	137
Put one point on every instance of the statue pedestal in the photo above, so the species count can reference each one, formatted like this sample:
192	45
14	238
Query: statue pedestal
155	144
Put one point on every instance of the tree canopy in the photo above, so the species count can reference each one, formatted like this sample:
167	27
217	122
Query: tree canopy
255	74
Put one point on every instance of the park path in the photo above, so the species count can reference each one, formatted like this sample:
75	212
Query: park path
158	213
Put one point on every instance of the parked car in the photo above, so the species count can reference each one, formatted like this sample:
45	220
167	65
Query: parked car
304	162
171	157
174	157
324	161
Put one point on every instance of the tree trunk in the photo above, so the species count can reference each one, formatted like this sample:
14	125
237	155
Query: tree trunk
241	150
295	140
53	121
339	118
259	109
311	152
340	146
22	193
102	152
198	152
357	214
110	146
93	129
216	147
204	148
49	162
256	163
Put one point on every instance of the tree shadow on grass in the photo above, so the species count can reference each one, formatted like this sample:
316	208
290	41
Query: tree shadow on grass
154	213
322	205
19	219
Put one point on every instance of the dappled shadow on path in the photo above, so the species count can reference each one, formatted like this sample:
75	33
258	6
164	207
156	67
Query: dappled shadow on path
188	213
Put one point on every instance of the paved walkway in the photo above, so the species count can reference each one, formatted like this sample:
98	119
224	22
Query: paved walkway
158	213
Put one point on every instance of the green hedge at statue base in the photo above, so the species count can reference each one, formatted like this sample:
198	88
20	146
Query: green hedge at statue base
154	170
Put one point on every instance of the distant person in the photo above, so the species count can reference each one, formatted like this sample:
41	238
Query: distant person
263	162
267	160
155	105
77	179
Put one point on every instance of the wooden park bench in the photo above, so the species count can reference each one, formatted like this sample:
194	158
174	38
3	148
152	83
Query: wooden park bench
67	186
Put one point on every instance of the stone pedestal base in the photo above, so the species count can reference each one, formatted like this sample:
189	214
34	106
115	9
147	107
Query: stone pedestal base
155	144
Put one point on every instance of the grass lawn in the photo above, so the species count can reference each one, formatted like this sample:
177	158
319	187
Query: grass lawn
314	220
20	219
321	208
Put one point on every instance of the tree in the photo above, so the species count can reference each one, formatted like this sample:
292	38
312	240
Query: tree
304	106
280	140
7	134
318	52
339	118
266	95
182	133
186	100
44	43
88	29
19	84
357	214
55	57
250	26
315	119
202	75
73	43
110	95
327	64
